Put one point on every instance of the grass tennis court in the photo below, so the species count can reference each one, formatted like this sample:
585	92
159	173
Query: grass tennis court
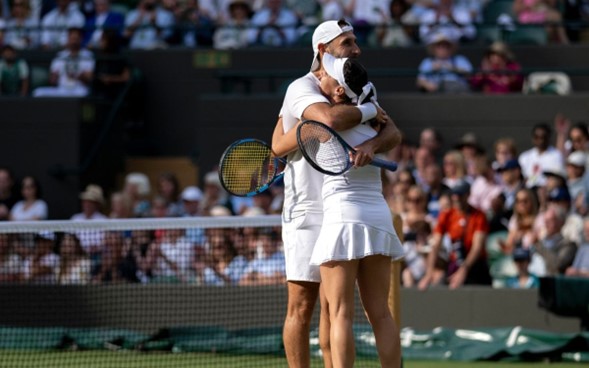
127	359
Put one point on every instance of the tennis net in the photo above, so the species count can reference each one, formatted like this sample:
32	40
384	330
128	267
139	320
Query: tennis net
210	287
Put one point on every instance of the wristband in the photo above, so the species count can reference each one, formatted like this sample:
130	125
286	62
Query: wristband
368	111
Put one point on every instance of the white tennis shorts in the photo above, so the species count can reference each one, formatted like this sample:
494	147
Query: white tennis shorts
299	236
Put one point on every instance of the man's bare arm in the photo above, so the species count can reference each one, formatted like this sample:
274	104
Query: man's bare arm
283	143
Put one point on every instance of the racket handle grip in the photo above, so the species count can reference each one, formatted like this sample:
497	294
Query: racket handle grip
387	165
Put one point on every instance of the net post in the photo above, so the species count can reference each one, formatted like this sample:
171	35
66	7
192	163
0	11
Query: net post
395	288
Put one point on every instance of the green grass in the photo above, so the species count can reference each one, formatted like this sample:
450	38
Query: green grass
127	359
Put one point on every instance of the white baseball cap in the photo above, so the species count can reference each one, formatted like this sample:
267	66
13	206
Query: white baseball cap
325	33
191	193
577	158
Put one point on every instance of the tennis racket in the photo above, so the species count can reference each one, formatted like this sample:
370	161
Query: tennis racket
249	167
327	152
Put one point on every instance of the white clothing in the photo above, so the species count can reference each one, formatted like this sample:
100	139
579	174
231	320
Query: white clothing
357	221
22	36
55	25
38	211
146	35
181	252
50	260
460	27
302	210
90	238
533	164
265	33
69	67
374	12
78	274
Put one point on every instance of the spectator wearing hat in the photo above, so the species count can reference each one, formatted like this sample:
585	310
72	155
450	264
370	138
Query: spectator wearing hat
499	72
444	71
572	228
524	279
466	227
511	181
575	168
471	150
191	198
213	193
92	240
542	155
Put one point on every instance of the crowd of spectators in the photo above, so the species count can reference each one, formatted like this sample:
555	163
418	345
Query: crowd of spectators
87	36
501	218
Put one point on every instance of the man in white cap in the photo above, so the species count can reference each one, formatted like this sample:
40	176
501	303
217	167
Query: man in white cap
302	210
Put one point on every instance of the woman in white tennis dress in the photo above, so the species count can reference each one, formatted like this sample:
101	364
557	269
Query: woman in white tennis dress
357	238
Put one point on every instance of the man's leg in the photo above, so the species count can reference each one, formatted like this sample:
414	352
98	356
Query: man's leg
302	297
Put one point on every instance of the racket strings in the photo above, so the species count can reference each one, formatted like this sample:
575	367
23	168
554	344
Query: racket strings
247	167
324	149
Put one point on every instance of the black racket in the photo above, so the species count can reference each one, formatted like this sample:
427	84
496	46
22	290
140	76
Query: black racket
249	167
327	152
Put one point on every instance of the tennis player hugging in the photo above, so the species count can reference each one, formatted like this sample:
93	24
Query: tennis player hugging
357	238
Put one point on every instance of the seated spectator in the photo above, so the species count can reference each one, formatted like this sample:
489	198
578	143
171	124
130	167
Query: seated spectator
438	193
273	25
416	247
557	252
524	279
523	224
137	265
416	209
14	73
112	259
541	156
42	267
121	206
454	169
484	188
471	151
191	198
10	261
456	22
270	267
172	257
233	34
331	9
137	188
467	228
505	150
103	19
571	137
511	182
366	15
580	266
576	164
92	240
499	72
393	32
443	71
423	158
32	207
74	264
8	196
22	30
71	71
148	26
56	24
541	12
168	188
213	193
194	27
112	71
222	266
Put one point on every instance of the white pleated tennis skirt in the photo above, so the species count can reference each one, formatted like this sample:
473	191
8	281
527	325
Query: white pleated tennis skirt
349	241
